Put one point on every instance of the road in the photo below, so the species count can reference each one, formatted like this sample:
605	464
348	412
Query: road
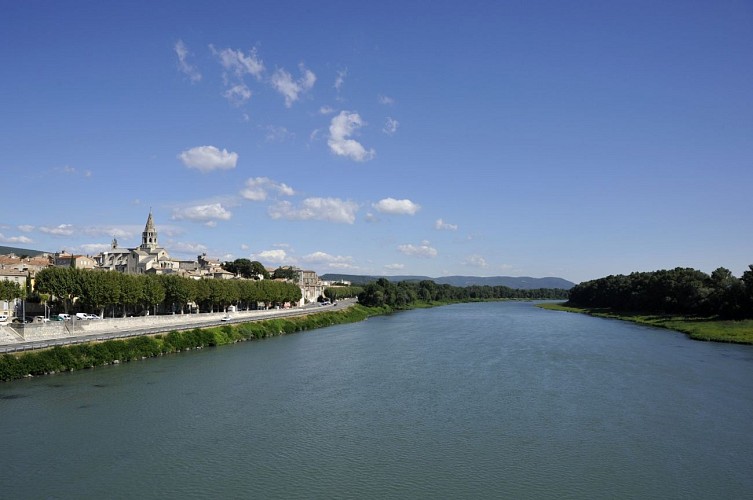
187	325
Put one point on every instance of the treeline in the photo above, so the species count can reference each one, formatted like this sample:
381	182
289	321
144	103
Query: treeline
682	291
122	294
405	293
342	292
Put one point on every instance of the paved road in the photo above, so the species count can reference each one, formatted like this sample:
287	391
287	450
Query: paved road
116	333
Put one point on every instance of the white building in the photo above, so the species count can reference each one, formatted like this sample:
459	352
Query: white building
149	257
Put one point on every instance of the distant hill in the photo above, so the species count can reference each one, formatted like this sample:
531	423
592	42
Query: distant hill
521	283
20	251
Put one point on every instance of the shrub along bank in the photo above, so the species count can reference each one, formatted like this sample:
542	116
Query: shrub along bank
697	328
91	355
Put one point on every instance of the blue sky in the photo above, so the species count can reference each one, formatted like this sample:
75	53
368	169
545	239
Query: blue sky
543	138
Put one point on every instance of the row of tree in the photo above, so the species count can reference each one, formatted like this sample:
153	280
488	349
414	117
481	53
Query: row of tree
100	291
683	291
404	293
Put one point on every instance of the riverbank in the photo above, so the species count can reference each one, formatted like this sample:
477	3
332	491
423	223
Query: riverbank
93	354
706	329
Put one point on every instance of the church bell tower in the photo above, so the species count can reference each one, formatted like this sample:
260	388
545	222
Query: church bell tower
149	236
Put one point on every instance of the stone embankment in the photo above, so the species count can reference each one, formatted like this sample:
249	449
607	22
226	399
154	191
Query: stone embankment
41	335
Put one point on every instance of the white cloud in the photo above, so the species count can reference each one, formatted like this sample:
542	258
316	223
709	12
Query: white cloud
208	214
93	248
328	209
187	248
274	256
340	79
185	67
325	258
61	230
238	94
388	101
394	267
257	188
291	90
475	261
396	207
26	228
390	126
441	225
208	158
15	239
244	246
114	231
341	128
326	110
277	134
240	64
423	250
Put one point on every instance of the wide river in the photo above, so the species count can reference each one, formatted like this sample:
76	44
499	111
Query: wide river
492	400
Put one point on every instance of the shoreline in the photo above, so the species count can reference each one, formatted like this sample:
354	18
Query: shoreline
90	355
703	329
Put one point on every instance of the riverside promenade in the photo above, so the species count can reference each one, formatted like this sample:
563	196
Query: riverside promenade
14	338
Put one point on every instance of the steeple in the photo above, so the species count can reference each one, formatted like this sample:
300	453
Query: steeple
149	236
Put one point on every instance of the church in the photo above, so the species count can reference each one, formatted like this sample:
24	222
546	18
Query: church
149	257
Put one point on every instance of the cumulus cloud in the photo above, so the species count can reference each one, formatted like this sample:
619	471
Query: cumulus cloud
394	267
341	128
441	225
185	67
340	79
15	239
327	209
396	207
238	94
208	158
208	214
274	133
61	230
93	248
277	256
387	101
424	250
390	126
26	228
238	63
475	261
257	188
326	110
331	261
291	90
114	231
187	248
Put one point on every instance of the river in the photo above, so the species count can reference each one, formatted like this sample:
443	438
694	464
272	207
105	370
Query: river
490	400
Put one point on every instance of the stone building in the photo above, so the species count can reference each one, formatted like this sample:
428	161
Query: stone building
148	257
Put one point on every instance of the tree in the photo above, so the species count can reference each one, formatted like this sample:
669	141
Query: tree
154	292
61	282
286	273
246	269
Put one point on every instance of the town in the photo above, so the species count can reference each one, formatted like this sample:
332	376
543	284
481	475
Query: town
19	276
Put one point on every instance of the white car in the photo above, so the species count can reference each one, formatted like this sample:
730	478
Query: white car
82	316
92	316
226	318
3	318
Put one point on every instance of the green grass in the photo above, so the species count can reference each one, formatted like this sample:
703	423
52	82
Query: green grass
709	329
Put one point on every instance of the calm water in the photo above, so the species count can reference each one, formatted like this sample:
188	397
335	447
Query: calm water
499	400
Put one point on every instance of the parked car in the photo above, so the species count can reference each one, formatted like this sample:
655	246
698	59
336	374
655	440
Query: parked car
92	316
64	316
41	319
82	316
57	318
3	318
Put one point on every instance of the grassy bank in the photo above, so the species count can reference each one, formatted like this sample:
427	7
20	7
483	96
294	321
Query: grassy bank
710	329
93	354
